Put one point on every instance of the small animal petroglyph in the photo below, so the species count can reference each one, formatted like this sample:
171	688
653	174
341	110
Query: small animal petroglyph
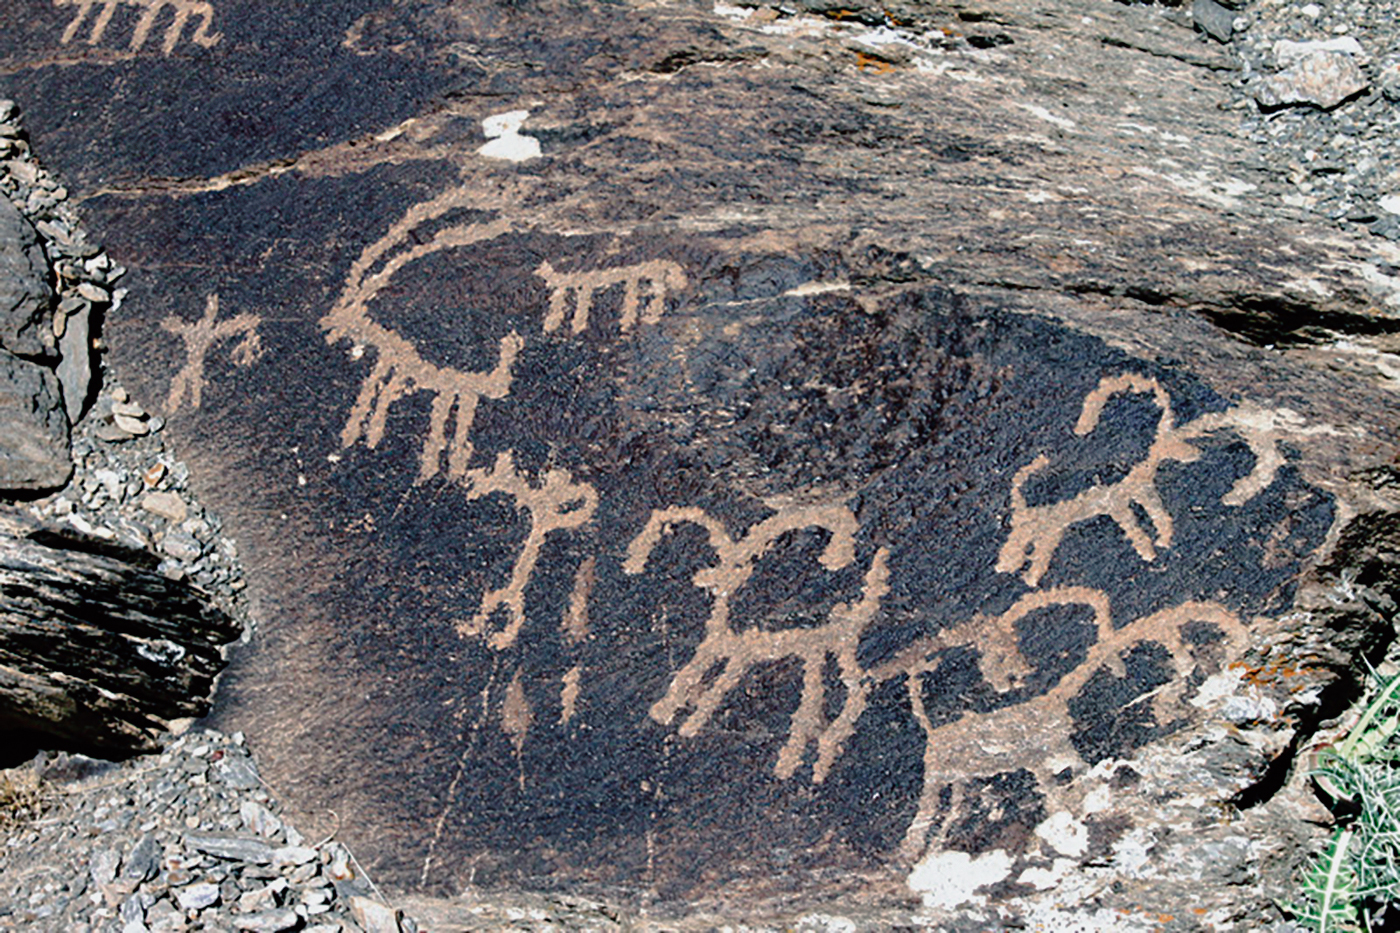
1036	531
653	279
200	337
738	652
557	504
399	369
180	11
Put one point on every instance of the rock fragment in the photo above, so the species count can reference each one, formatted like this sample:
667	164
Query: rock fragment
1213	19
25	297
1322	79
373	916
34	438
167	505
239	848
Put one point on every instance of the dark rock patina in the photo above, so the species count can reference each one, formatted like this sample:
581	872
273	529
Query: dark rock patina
844	458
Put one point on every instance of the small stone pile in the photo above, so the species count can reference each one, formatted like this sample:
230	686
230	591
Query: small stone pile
54	286
128	488
186	840
1321	83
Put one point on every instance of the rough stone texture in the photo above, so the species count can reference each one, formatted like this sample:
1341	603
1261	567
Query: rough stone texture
33	428
25	296
97	649
1323	79
886	461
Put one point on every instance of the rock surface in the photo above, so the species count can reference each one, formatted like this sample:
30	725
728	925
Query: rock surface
736	462
33	427
25	296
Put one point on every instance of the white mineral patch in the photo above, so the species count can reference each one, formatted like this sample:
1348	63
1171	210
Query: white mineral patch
1287	52
949	879
1249	707
503	129
1130	853
1065	834
1043	879
1097	800
1047	116
816	288
1391	203
1217	687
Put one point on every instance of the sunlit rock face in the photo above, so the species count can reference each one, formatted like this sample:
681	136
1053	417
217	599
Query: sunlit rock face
679	459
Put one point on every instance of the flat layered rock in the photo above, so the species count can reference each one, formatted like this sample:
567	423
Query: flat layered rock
735	461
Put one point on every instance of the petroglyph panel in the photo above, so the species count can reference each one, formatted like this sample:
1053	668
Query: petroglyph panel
664	543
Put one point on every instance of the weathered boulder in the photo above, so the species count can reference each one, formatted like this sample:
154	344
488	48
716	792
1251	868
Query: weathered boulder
736	461
99	651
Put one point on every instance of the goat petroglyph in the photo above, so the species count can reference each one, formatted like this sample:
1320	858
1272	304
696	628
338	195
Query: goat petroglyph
1036	531
739	651
654	280
980	743
199	338
180	11
400	370
556	504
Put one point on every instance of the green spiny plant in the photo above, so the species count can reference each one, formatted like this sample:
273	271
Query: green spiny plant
1360	867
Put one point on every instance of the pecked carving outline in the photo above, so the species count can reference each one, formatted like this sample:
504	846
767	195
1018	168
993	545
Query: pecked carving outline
1037	531
199	339
182	11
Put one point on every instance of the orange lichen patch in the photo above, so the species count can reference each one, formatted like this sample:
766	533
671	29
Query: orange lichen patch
879	66
1273	673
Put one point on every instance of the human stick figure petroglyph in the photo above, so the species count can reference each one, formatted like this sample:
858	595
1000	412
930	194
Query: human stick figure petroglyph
1036	531
739	651
556	504
180	11
200	337
399	369
655	278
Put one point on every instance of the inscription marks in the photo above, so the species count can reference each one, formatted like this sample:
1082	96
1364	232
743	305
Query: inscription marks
181	12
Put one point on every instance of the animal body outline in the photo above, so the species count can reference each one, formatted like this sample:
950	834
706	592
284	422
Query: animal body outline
1038	530
182	11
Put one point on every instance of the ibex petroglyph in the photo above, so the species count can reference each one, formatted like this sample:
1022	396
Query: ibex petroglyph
1035	734
399	369
1036	531
739	651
